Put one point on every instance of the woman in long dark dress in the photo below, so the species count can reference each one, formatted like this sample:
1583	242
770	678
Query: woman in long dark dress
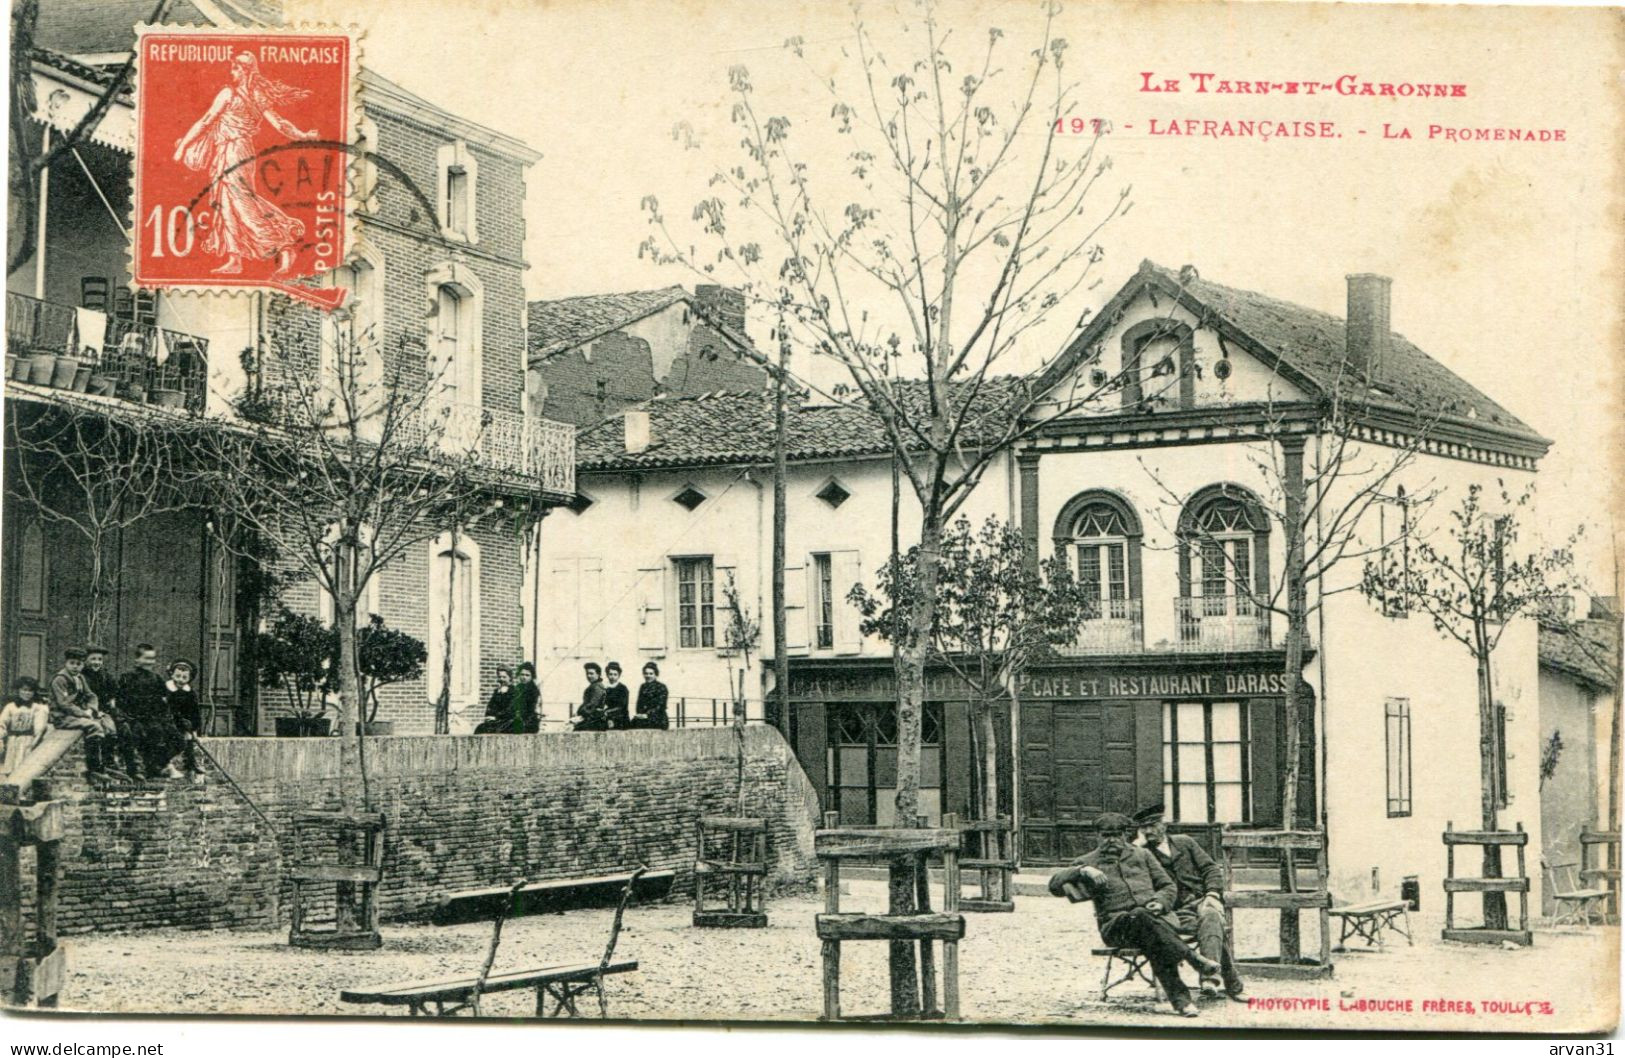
651	711
497	709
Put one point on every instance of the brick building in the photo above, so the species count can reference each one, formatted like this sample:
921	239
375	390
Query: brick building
592	356
435	277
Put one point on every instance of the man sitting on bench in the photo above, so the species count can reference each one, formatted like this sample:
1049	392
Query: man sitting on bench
1199	908
1132	894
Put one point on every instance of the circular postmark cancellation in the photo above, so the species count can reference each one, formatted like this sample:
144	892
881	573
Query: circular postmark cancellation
242	157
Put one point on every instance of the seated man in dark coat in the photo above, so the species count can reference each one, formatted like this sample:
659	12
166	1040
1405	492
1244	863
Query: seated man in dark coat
1200	905
1132	895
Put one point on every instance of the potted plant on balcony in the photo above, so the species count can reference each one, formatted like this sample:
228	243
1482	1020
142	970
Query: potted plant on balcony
166	389
384	655
295	655
41	366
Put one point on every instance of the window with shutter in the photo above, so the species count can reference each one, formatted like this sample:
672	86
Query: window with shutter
651	594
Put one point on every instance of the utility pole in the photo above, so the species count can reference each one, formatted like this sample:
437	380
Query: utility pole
781	662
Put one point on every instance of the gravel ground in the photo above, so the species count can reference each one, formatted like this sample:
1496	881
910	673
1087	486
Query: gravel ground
1030	966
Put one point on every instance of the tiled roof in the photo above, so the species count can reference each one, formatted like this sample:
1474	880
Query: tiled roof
568	322
732	428
100	27
1587	650
1311	344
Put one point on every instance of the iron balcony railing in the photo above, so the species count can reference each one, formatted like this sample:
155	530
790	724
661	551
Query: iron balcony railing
1220	622
129	359
1109	626
538	449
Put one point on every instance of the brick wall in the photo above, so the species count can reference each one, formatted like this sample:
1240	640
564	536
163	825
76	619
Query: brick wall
463	812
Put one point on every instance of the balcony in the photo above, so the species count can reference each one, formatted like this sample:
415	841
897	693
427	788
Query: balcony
538	449
1116	626
1220	623
116	355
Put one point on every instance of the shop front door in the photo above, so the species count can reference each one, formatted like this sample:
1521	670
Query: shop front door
1078	759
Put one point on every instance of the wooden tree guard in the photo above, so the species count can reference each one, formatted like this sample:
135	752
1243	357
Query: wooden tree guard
1605	870
1289	843
356	871
913	848
991	853
732	851
1518	883
32	963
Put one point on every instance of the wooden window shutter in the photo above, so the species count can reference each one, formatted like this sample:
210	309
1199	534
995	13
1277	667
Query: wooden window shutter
591	612
562	604
651	595
796	594
845	571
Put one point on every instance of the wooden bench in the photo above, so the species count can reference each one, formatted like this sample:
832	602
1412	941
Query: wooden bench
471	905
564	983
1368	920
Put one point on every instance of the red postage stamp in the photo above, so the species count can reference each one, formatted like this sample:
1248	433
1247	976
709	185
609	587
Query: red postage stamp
242	159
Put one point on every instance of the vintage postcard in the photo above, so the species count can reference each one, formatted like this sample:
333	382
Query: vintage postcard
1086	515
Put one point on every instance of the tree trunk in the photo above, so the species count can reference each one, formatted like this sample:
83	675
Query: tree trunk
350	787
990	761
1297	635
911	660
1489	770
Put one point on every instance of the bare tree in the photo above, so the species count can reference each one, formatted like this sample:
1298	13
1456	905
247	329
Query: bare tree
98	474
955	225
1474	585
1321	470
342	469
996	612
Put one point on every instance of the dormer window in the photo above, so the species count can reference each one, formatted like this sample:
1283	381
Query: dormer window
458	173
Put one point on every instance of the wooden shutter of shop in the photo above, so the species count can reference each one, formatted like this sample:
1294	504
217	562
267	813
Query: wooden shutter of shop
725	572
591	612
845	571
651	595
795	609
812	749
562	605
1263	719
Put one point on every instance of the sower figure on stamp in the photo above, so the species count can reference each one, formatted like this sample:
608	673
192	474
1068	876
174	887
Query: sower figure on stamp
1133	896
1199	908
221	143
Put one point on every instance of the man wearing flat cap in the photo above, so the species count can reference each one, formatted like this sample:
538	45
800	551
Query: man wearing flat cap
1199	908
1132	894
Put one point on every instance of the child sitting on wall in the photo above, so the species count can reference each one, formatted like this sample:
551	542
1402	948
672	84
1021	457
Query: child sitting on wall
24	720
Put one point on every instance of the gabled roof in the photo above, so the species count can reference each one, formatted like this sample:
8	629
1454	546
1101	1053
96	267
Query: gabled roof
734	428
1584	650
565	323
1308	347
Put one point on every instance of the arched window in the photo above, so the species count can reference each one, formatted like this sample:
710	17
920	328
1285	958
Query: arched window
1100	536
352	367
1223	568
1159	358
337	559
454	607
456	311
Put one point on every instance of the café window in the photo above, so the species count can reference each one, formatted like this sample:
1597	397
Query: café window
1397	751
862	762
1206	770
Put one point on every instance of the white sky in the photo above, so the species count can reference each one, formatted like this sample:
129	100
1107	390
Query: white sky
1506	257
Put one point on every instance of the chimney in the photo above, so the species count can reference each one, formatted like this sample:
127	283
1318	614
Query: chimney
1369	325
637	430
722	305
